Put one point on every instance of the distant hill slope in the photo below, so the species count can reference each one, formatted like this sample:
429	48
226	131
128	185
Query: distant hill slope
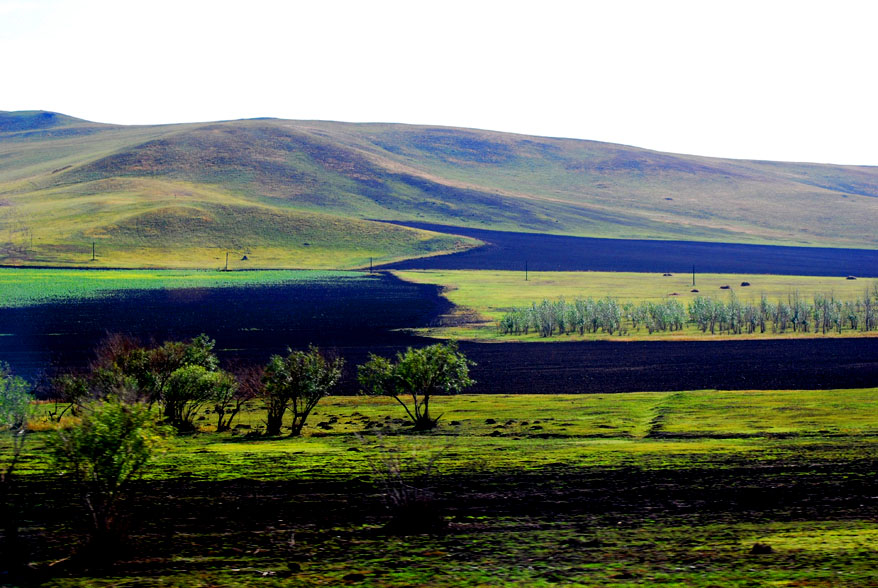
30	120
306	193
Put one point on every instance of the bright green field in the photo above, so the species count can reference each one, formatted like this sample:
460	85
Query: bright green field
541	451
24	287
646	429
483	296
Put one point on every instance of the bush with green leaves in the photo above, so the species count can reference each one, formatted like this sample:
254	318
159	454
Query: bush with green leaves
15	402
15	408
296	383
153	368
418	374
179	376
105	453
191	387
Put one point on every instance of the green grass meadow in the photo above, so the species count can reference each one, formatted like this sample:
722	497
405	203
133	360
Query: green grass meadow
645	429
27	287
565	447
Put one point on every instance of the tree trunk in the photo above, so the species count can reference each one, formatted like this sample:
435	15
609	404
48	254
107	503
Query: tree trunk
424	423
273	423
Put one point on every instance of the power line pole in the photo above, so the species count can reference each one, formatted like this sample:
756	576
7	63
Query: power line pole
693	276
227	261
92	250
525	270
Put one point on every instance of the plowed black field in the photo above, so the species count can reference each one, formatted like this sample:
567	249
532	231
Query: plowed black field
510	251
248	323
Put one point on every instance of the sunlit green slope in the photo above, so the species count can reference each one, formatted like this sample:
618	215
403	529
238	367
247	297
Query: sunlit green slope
307	193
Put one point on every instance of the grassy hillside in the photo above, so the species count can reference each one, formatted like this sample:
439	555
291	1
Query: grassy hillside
182	195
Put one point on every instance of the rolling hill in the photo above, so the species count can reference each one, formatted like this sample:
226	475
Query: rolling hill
308	193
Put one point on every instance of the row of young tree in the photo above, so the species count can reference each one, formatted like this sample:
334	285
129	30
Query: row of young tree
822	313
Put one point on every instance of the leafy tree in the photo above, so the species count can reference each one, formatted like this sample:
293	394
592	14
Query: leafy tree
229	402
296	383
121	363
70	389
181	376
112	370
15	408
870	316
189	388
154	368
106	452
732	316
419	374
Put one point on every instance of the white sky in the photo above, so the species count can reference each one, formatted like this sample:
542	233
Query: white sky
763	80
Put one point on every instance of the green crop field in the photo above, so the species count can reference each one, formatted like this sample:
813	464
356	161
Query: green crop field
483	296
667	489
26	287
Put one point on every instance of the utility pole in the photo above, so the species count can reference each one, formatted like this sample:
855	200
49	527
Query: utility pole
525	270
370	265
227	261
693	276
92	250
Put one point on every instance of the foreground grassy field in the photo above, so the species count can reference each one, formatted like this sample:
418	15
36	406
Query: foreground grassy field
483	296
668	489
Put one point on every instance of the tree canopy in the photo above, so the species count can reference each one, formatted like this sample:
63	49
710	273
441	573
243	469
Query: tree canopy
419	374
296	383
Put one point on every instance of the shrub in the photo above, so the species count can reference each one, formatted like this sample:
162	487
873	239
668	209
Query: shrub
105	453
71	390
180	376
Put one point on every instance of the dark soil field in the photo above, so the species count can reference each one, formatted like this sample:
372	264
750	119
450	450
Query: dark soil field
358	317
510	251
248	323
606	366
